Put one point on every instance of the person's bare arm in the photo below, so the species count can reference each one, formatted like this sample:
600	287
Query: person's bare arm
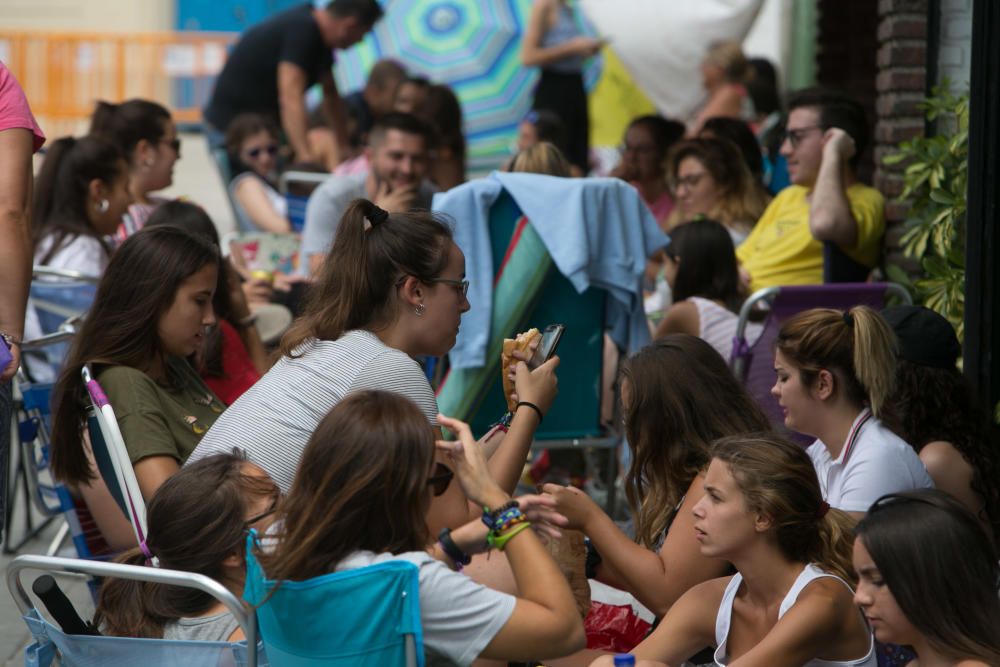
534	54
682	317
336	114
656	579
830	217
153	471
15	238
292	104
250	194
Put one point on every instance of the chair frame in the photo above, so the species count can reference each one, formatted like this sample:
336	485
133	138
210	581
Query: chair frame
246	620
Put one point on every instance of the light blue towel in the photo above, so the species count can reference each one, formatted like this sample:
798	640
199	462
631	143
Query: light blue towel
597	231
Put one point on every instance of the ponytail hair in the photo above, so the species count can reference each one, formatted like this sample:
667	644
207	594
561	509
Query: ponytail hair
128	123
857	346
62	187
196	521
372	251
777	479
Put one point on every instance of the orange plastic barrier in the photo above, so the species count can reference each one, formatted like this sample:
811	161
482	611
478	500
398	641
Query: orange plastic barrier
65	74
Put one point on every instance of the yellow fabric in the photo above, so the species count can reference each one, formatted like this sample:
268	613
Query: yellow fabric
782	251
614	102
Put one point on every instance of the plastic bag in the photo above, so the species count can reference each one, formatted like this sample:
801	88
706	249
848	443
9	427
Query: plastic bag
617	621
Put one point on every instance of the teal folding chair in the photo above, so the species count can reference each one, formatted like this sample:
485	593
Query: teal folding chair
368	617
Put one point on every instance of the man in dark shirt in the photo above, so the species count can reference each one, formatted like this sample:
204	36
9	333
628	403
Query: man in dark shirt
270	68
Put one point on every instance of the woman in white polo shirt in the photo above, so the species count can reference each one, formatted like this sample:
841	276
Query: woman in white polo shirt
835	370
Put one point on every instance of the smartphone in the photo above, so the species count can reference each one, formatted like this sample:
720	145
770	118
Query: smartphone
550	341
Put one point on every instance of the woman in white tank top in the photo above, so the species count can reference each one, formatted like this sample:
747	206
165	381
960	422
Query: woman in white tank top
789	605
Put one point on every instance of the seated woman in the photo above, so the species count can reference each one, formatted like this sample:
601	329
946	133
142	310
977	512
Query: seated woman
252	144
789	603
391	289
834	373
233	357
724	72
709	178
647	141
678	397
928	579
738	132
375	449
703	275
146	135
197	523
150	315
933	408
81	193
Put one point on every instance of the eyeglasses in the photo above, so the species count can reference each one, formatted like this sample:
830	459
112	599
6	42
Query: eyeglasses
461	285
173	143
691	180
255	153
794	137
440	480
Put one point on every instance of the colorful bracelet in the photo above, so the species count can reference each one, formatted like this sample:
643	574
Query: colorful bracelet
500	541
452	550
491	517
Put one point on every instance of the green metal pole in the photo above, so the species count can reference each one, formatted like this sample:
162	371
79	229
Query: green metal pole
802	64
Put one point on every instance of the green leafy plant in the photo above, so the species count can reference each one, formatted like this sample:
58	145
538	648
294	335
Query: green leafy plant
935	180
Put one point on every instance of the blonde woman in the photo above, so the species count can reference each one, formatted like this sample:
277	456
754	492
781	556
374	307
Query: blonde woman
724	72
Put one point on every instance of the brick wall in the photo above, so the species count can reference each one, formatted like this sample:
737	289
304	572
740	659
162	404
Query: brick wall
900	85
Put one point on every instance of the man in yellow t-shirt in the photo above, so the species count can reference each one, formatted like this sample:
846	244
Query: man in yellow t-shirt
825	136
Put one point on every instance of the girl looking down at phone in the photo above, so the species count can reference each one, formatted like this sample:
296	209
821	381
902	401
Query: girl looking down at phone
376	449
790	603
150	314
392	288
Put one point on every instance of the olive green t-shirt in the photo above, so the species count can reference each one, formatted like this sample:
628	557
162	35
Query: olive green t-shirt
157	420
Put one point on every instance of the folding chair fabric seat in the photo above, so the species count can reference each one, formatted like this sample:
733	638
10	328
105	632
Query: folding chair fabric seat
368	617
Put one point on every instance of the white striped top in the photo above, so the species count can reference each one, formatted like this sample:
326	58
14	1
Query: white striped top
273	420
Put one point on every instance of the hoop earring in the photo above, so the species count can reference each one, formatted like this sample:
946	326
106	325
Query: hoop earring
103	206
418	310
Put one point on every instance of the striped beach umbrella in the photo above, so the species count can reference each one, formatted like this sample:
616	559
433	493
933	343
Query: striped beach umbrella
471	45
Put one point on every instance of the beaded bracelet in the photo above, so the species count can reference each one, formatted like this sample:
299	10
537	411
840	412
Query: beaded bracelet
500	541
504	422
490	517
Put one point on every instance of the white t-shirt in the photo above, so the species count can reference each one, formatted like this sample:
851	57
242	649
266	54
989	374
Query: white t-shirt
274	419
877	462
459	616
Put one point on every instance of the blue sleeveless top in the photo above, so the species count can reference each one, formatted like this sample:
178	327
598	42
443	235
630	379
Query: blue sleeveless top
563	30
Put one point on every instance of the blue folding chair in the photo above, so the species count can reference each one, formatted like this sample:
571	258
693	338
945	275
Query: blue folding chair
368	617
51	643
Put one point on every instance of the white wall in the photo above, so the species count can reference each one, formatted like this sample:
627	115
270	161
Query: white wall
87	15
770	36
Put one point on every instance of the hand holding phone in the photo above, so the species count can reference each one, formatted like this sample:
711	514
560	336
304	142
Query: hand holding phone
547	347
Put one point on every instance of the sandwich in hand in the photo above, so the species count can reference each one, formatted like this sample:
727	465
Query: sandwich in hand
520	344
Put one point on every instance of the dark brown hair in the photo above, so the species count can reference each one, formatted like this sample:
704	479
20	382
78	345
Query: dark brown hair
857	347
356	284
130	122
682	398
121	328
196	521
59	205
367	466
707	266
940	567
777	479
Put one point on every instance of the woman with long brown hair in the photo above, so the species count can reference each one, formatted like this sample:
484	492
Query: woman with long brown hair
790	603
835	372
678	397
375	452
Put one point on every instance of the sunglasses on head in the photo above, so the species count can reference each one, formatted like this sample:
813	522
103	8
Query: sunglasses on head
255	153
440	480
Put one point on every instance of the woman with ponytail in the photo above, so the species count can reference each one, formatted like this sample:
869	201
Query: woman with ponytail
835	373
197	523
928	579
392	288
790	603
146	135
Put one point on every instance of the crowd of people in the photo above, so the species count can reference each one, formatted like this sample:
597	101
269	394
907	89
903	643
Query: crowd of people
876	544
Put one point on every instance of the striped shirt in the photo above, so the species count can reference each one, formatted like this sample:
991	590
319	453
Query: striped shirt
274	419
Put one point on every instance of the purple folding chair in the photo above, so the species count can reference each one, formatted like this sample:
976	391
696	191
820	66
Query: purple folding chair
754	365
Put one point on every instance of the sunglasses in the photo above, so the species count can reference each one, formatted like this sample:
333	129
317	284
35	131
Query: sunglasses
440	480
255	153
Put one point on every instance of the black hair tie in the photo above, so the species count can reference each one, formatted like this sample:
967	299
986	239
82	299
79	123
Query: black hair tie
848	319
377	215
